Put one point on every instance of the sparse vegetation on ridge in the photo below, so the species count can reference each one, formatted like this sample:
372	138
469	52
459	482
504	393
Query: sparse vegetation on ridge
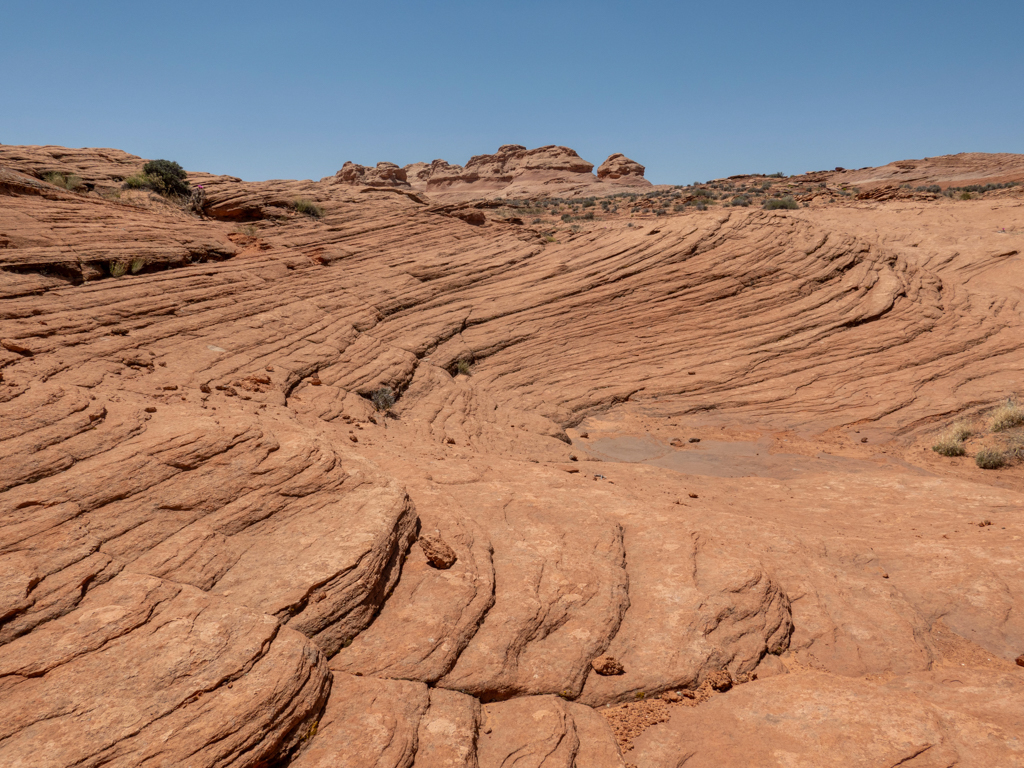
308	207
778	203
70	182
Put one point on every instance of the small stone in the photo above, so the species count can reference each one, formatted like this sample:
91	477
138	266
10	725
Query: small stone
694	439
607	666
204	388
675	442
353	438
584	435
671	696
691	373
449	441
721	680
1020	660
693	496
150	409
440	555
863	439
170	388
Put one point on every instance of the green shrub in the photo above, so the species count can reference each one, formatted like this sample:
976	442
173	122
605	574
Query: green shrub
139	181
309	208
741	200
990	459
780	202
117	268
1006	416
463	366
137	264
167	177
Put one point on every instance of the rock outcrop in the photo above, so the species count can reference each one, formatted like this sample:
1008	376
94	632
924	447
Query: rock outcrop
618	167
207	529
384	175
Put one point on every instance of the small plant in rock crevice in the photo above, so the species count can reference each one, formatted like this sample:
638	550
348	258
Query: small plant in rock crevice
383	399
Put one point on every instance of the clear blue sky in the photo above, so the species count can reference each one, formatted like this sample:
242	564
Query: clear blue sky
693	90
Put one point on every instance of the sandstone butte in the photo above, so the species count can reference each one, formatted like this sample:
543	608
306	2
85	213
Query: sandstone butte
685	443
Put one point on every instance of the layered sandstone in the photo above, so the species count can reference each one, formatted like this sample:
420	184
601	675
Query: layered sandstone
700	446
512	172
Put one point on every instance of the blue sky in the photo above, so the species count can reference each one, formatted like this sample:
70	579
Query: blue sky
693	90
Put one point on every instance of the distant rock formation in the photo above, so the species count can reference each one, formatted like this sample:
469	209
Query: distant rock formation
384	175
618	166
512	171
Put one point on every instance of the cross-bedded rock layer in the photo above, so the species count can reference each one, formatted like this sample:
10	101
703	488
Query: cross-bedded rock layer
206	525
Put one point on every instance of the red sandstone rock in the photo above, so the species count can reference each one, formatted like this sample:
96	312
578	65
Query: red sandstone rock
181	569
384	175
438	552
617	167
808	719
607	665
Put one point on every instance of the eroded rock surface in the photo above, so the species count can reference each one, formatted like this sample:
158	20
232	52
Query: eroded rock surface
207	526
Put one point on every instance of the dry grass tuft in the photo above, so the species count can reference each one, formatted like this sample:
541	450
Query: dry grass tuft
951	442
1006	416
990	459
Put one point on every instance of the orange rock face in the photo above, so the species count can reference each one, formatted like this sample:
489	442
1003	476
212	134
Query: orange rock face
671	473
618	167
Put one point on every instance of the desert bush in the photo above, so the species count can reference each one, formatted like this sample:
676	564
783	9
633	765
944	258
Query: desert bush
930	188
741	200
70	182
946	446
778	203
1006	416
990	459
951	442
166	177
383	399
309	208
139	181
464	366
117	268
137	264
